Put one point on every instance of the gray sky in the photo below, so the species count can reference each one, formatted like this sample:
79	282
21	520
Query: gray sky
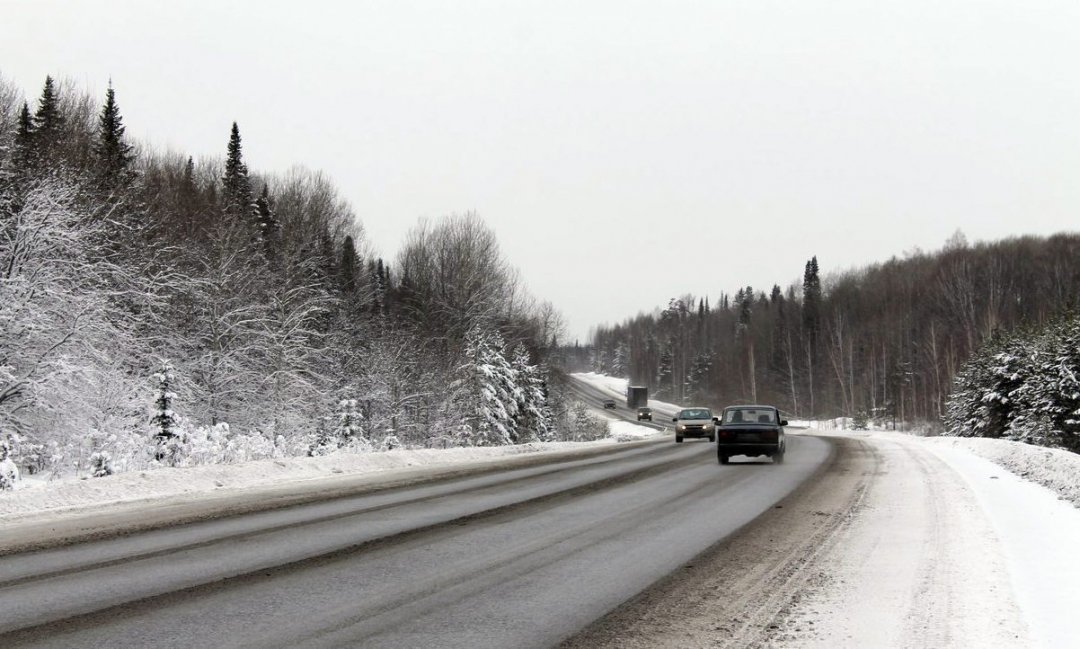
624	152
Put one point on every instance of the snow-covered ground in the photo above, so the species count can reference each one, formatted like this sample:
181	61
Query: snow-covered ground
997	522
75	496
952	549
616	388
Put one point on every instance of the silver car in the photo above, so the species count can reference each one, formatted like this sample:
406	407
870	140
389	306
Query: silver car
694	422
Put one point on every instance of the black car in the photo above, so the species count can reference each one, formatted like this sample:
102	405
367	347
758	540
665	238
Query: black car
750	430
609	404
644	414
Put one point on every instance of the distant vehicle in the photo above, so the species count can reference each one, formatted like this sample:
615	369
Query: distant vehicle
644	414
751	430
609	404
637	396
694	422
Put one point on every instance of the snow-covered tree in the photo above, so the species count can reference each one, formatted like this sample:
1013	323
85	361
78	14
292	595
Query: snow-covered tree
533	419
620	360
349	429
485	391
165	423
9	472
64	326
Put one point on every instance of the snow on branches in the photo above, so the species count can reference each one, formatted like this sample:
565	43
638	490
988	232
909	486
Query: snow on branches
499	401
1023	387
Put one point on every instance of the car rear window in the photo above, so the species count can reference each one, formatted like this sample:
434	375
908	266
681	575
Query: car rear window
750	416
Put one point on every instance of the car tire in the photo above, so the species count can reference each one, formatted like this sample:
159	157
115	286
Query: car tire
678	439
712	438
724	459
778	458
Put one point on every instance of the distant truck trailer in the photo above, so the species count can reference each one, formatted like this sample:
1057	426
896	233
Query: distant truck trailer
637	396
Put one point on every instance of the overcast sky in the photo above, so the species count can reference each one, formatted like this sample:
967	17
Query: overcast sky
624	152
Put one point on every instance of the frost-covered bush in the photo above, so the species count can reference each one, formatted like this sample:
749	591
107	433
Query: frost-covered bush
9	473
101	464
583	425
389	443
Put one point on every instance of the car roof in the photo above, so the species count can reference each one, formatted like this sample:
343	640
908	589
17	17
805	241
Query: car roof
752	406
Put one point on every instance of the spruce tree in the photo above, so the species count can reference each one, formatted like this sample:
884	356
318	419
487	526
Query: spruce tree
23	152
236	195
114	155
165	423
268	226
48	126
348	269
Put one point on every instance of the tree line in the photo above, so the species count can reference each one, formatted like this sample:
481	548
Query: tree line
155	307
883	341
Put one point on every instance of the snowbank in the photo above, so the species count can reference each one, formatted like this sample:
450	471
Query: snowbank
1055	469
73	494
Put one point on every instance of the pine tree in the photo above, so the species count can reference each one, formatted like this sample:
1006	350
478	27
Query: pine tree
811	323
23	153
348	269
48	126
349	430
165	423
533	420
236	195
268	227
485	392
114	155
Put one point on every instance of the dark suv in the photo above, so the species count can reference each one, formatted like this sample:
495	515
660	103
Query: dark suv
644	414
750	430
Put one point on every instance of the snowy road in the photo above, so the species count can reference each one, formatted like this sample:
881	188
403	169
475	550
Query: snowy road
901	543
522	558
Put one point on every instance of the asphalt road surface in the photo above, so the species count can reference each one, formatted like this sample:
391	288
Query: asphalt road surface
522	557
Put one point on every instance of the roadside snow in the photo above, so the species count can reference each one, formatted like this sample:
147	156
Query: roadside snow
1038	534
951	549
616	388
74	496
1053	468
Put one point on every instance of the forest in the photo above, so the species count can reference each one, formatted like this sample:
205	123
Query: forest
883	342
159	309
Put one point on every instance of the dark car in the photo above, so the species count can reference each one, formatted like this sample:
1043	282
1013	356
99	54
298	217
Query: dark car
751	431
609	404
644	414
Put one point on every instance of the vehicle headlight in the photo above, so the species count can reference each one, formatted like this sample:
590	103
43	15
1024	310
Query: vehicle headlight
682	426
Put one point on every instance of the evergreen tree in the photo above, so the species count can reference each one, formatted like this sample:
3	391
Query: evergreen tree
349	430
23	152
533	415
811	324
165	423
48	127
485	392
113	154
236	195
268	227
348	269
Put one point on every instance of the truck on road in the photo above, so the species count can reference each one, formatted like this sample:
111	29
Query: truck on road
637	396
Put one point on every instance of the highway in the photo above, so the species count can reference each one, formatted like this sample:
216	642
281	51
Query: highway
517	557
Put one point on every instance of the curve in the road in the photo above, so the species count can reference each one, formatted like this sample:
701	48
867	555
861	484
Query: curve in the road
521	558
